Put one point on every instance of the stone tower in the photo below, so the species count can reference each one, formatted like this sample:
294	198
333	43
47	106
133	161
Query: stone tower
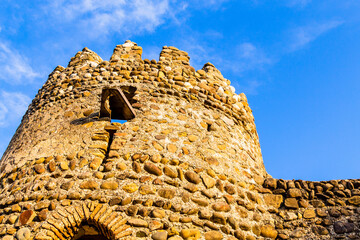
184	163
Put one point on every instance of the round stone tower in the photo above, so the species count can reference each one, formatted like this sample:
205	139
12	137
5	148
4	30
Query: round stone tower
184	162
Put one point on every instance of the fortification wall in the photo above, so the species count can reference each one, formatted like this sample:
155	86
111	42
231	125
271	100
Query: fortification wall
187	166
314	210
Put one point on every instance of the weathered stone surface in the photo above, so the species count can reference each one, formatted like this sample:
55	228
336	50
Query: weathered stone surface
270	183
146	189
111	185
201	201
39	168
158	213
26	217
138	222
294	193
130	188
23	234
92	185
208	181
152	168
343	227
273	200
166	193
192	177
213	235
170	172
190	234
221	207
355	200
268	231
309	213
67	185
159	235
291	203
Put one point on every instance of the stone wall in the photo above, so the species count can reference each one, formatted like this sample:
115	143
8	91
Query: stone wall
314	210
188	166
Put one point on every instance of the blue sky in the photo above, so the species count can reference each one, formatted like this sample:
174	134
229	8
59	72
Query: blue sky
296	60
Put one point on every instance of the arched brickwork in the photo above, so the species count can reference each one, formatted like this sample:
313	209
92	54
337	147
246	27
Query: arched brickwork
65	223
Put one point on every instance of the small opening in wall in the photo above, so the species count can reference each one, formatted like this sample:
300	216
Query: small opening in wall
116	105
118	121
93	237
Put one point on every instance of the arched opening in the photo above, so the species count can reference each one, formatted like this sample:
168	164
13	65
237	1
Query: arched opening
93	237
89	232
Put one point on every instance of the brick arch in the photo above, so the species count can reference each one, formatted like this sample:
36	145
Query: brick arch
65	222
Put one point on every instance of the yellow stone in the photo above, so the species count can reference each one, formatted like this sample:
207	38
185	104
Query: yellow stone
190	234
222	146
161	74
135	128
192	138
268	231
87	125
309	213
86	94
273	200
64	166
157	146
83	162
172	148
182	134
121	166
130	188
95	164
112	185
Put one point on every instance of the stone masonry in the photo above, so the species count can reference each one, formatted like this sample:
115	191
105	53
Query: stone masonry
186	164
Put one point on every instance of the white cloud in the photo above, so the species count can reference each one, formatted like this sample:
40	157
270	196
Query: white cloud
12	107
302	36
14	67
94	18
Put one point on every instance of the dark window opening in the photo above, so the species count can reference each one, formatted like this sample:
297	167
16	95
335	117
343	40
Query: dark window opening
89	232
129	93
93	237
116	104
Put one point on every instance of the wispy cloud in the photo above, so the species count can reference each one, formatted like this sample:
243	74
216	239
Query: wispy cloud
209	3
250	57
241	61
297	3
14	67
96	18
12	107
302	36
127	17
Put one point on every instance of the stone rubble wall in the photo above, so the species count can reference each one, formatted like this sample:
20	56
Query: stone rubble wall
314	210
188	166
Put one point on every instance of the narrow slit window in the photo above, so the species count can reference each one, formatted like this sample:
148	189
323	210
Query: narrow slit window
116	106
